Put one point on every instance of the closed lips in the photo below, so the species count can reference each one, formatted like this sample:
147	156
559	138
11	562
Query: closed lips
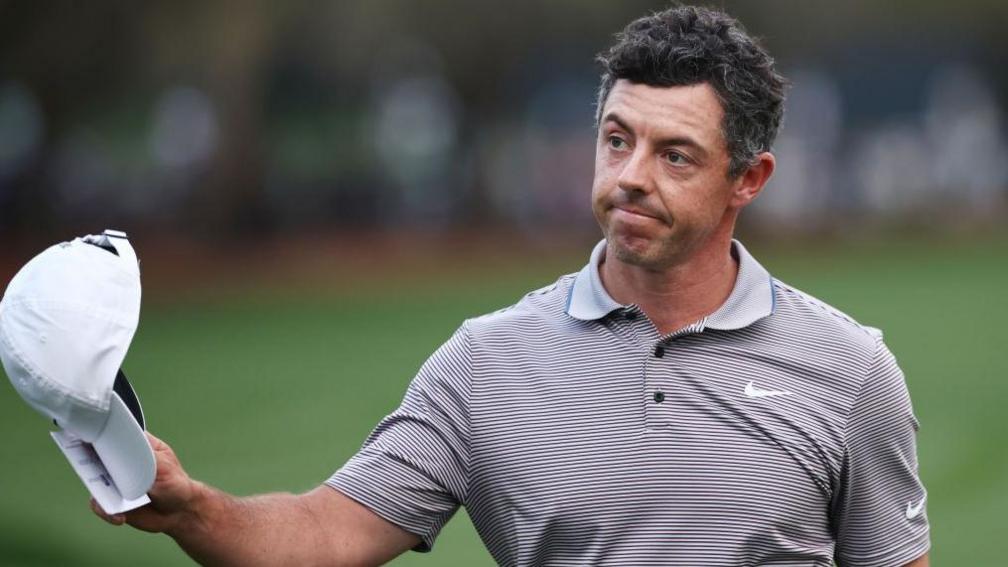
638	212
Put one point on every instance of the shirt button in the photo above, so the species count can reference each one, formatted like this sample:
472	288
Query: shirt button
659	351
659	397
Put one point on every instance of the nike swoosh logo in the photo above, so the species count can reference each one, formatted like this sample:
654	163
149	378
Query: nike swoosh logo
754	392
914	511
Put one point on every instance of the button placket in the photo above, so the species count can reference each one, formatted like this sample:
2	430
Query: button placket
657	387
618	324
637	323
656	384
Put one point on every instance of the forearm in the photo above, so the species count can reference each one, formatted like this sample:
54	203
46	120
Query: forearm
272	529
321	527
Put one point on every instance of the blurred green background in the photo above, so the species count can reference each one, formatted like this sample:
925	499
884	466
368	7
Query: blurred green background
320	192
262	387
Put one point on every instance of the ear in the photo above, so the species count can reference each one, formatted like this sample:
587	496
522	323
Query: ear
750	183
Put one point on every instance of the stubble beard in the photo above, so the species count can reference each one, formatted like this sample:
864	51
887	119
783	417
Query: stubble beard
656	255
658	252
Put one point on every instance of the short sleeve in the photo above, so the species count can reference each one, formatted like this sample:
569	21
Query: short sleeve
413	469
879	511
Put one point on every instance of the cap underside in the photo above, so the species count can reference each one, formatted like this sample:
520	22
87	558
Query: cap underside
122	444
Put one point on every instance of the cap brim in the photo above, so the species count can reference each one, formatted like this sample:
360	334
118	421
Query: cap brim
125	451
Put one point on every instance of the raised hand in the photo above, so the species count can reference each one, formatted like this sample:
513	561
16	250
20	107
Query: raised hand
172	496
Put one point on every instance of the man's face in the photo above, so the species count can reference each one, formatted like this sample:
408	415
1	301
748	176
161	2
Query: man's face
661	188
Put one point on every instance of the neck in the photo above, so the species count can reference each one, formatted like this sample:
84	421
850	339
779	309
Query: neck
675	296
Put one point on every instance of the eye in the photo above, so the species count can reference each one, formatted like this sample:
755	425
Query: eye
617	143
676	158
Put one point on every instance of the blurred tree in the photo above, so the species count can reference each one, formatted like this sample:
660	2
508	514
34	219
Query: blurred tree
226	48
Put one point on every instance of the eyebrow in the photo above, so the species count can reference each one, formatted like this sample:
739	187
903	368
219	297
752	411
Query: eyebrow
663	142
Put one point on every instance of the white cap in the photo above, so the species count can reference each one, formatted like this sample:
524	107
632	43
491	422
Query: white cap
66	322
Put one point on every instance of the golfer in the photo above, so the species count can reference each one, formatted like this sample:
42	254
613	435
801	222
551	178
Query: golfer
670	404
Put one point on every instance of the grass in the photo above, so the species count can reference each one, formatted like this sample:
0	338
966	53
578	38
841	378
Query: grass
272	389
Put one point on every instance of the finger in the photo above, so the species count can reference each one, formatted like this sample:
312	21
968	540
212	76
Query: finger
142	518
114	519
163	471
156	444
163	453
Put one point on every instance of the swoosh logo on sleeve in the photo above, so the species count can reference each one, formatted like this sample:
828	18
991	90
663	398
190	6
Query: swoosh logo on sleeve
914	511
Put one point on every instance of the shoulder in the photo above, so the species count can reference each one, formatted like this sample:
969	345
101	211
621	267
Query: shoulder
823	350
495	336
544	306
826	347
814	318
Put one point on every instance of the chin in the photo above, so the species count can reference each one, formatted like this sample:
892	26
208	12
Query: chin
642	254
648	253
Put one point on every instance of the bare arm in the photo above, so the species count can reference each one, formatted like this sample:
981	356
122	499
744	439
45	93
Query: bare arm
321	527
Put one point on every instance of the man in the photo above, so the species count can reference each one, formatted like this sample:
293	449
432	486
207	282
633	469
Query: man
671	404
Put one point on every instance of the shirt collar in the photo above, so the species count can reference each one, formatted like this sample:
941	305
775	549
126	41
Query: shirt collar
751	299
588	299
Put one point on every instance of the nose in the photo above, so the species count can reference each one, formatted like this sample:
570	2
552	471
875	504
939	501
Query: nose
635	177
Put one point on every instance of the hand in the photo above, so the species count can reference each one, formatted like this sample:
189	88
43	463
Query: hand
172	497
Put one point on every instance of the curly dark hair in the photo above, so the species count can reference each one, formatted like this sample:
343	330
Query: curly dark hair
688	45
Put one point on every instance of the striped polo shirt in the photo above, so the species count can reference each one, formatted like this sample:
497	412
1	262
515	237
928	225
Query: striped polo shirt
775	431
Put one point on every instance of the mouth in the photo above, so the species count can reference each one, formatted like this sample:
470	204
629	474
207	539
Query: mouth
635	212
